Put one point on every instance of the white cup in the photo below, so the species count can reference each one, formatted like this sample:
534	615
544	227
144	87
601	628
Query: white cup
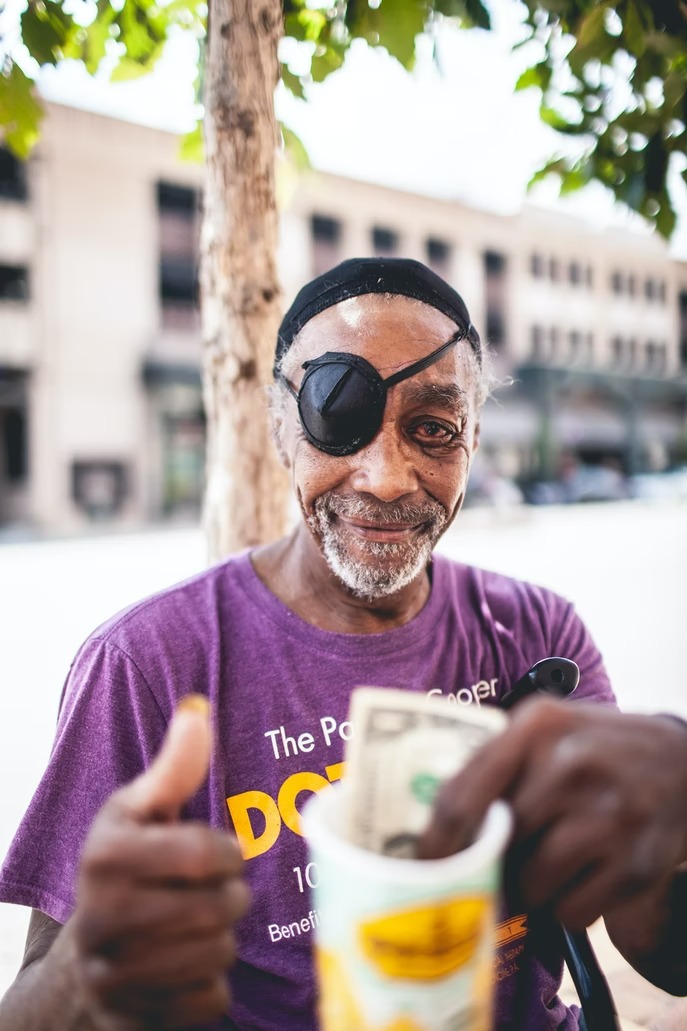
403	944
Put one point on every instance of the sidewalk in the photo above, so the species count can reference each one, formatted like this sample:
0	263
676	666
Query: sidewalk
640	1005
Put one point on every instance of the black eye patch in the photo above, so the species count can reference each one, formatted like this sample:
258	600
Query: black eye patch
342	397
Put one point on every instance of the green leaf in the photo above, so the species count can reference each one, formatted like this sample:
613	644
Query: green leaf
324	64
634	31
192	147
399	22
592	27
469	13
593	42
45	30
295	148
552	117
20	111
674	87
666	219
538	75
574	179
555	166
138	34
126	69
478	14
292	82
305	26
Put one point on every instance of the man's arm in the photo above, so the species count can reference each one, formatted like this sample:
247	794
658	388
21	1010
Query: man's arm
651	935
46	984
152	934
600	823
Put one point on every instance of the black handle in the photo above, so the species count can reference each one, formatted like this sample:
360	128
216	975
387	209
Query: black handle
554	676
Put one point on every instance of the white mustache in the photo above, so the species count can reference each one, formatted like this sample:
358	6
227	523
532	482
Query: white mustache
381	513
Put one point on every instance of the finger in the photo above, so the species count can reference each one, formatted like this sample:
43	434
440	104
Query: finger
462	803
173	966
179	768
596	893
132	922
160	1006
563	854
160	853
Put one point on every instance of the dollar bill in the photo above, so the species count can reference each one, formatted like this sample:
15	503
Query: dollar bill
404	746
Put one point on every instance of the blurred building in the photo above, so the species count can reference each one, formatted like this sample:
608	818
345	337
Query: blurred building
100	399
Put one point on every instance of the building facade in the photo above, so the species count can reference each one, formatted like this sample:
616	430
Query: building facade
101	414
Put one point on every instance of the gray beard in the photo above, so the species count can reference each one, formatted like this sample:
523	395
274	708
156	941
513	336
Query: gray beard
399	562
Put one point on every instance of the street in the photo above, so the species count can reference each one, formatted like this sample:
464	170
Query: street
624	565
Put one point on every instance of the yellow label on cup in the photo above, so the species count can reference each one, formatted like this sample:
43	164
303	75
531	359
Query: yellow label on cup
428	942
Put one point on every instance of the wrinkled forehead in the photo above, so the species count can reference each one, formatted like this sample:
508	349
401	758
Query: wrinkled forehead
389	331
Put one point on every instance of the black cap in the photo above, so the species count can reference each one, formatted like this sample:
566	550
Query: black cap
374	276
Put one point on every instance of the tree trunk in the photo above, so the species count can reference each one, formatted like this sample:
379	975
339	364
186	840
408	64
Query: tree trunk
246	493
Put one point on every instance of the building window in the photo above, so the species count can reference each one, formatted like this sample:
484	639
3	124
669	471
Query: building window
617	282
589	348
575	339
178	282
575	273
326	241
554	343
655	357
537	342
631	286
650	291
99	487
682	307
537	266
384	241
494	263
183	200
14	283
15	451
179	217
617	351
438	255
554	270
661	290
12	176
495	282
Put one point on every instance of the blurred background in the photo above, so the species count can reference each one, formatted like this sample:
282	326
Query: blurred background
581	480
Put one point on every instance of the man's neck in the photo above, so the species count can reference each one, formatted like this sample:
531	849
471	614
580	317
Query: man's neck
295	571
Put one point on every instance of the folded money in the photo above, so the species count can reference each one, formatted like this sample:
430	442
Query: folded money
404	746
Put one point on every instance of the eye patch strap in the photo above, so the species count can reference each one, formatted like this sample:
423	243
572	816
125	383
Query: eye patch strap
424	363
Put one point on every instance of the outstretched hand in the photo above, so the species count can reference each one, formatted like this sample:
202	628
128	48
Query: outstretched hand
598	799
157	899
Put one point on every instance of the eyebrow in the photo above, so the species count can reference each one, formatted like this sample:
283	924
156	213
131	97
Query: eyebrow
445	395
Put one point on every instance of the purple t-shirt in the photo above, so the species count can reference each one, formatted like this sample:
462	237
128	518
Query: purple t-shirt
279	689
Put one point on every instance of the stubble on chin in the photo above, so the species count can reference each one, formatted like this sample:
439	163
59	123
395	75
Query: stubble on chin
372	570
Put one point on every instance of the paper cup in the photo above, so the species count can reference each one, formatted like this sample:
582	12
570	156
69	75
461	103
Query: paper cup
403	944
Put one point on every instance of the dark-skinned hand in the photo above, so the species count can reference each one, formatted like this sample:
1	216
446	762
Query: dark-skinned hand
599	801
157	898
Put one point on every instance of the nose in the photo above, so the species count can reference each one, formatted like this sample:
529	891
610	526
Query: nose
384	467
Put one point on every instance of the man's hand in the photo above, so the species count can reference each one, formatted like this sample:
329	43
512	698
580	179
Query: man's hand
157	899
599	801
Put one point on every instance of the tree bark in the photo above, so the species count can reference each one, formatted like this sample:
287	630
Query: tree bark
246	491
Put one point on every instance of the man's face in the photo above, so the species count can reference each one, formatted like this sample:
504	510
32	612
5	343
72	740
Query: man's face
377	514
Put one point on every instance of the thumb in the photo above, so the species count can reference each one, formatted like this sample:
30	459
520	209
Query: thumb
179	768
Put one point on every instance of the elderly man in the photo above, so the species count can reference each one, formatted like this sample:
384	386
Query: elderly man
138	891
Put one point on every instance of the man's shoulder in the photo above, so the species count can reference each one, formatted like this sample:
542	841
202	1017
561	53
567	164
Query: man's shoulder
177	614
497	598
467	581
